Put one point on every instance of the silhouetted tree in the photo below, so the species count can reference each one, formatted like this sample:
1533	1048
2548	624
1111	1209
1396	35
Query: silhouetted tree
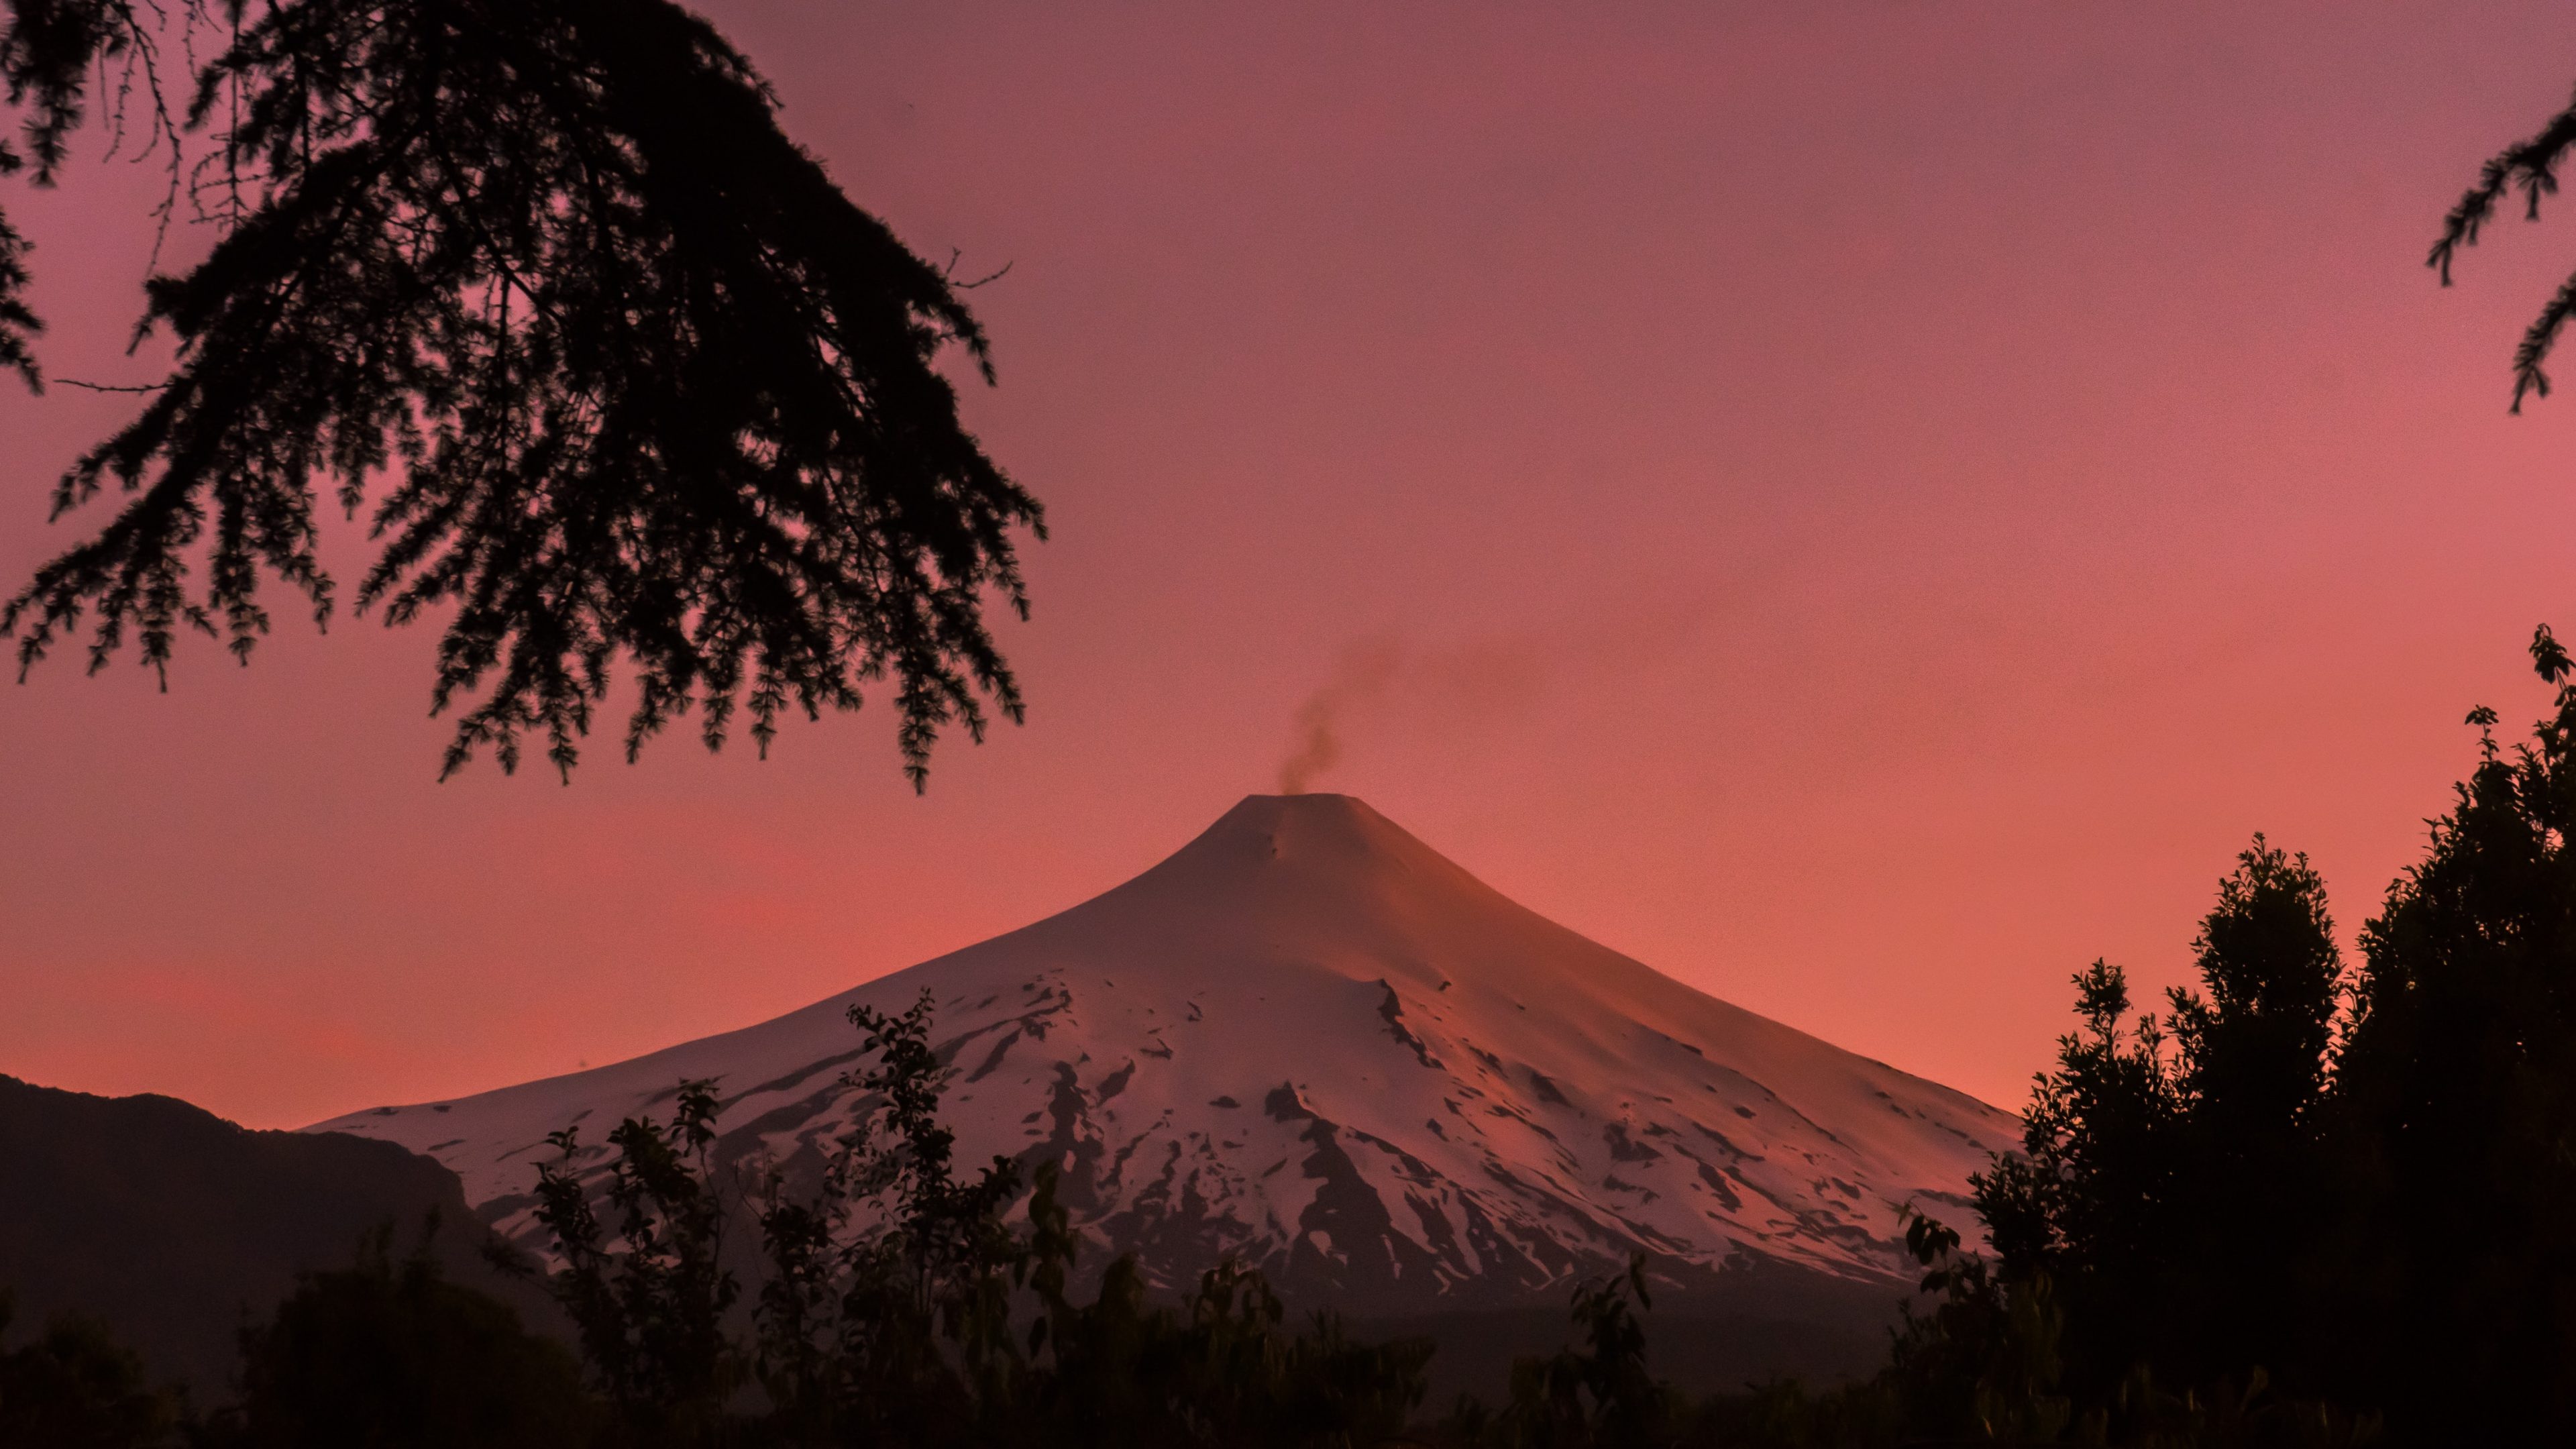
1984	1360
2460	1082
2169	1179
1222	1369
2090	1199
2251	1071
1596	1393
73	1387
613	366
649	1297
885	1315
2354	1186
390	1355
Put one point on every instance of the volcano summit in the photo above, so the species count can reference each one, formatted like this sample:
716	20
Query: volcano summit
1311	1042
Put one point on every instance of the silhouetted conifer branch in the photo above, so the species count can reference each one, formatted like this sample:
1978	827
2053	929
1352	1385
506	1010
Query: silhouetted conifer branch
2530	167
618	375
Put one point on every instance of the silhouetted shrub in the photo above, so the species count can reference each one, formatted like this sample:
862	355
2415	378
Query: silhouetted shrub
390	1355
71	1386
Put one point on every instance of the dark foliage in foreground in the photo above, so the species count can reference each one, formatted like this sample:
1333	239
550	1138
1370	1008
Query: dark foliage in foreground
612	365
390	1354
2351	1182
73	1384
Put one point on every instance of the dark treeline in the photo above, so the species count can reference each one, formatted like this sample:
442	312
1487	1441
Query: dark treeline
2311	1202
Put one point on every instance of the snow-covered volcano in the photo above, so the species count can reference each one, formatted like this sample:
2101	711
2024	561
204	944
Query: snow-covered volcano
1310	1041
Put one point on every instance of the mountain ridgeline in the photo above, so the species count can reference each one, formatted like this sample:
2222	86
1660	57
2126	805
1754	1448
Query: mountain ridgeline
176	1227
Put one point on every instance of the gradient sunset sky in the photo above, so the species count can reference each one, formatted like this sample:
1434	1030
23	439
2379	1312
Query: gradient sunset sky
1861	506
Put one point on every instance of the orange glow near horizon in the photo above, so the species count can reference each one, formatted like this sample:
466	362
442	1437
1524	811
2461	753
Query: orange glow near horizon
1862	507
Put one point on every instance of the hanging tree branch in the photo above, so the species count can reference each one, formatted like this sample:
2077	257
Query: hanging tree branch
2530	167
618	375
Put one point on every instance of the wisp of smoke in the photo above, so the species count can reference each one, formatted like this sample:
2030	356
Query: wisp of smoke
1467	679
1362	675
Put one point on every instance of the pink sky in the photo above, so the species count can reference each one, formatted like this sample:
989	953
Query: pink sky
1863	507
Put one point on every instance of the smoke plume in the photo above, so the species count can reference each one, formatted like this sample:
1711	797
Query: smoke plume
1362	676
1375	676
